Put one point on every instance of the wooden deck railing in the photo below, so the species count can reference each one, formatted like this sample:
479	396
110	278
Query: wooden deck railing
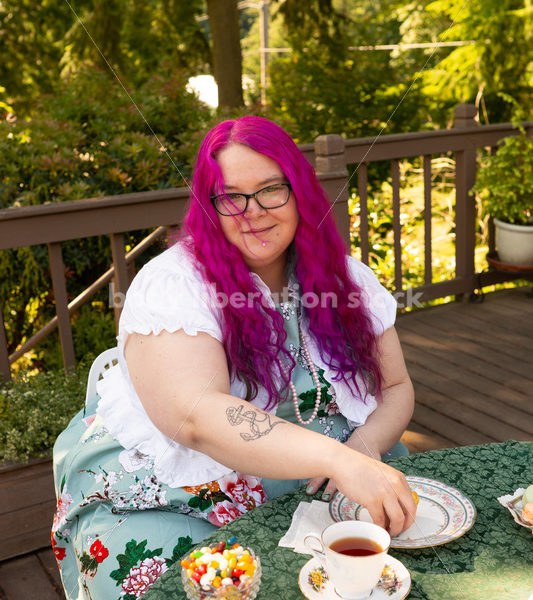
330	154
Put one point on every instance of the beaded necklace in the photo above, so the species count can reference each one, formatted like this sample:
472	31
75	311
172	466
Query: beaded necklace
314	375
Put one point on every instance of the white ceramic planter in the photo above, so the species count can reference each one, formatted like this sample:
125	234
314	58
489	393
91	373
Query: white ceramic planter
514	243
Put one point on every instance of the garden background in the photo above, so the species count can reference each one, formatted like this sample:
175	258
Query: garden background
94	101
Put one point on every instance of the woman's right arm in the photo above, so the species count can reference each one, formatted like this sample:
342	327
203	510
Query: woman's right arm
183	384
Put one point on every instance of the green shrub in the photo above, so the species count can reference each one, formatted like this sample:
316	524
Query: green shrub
87	140
34	409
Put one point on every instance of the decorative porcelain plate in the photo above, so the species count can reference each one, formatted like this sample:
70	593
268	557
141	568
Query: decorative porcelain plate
443	514
394	584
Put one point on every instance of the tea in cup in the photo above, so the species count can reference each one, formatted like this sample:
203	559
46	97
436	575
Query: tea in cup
353	553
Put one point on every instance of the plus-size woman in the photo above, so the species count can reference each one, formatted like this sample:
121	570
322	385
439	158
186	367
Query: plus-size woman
254	355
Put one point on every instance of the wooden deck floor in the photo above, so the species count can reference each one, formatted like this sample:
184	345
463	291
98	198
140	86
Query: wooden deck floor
472	368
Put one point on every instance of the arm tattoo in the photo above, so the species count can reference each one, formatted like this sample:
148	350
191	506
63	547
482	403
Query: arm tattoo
260	423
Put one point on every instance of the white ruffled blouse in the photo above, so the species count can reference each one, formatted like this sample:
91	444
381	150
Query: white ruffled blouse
169	294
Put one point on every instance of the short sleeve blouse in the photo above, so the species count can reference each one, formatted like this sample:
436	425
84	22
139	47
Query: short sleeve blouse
166	295
377	299
169	294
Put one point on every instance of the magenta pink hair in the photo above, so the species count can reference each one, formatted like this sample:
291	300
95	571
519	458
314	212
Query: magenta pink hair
254	335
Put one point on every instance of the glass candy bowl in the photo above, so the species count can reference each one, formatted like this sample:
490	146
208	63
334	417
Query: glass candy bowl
236	582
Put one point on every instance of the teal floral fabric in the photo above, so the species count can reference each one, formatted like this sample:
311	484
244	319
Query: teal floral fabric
118	528
492	561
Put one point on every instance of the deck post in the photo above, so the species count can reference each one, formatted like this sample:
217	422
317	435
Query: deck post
5	370
121	280
465	202
57	269
333	175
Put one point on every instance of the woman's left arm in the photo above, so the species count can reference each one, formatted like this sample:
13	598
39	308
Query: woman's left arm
384	426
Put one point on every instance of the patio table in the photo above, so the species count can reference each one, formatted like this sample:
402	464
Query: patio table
492	561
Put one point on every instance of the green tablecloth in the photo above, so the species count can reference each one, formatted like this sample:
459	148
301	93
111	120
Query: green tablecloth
493	561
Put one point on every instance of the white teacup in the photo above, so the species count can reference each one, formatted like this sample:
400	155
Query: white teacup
353	570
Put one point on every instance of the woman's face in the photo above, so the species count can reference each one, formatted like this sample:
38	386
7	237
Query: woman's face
262	235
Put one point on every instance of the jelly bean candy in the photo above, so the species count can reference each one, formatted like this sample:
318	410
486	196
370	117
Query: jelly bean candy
196	576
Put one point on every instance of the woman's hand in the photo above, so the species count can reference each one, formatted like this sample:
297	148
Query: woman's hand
357	443
381	489
381	431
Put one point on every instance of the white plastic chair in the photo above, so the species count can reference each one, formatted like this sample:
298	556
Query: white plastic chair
101	364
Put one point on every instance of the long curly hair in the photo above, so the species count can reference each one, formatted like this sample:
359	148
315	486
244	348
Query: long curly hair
253	335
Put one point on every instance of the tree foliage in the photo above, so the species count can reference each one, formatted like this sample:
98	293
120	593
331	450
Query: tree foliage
499	62
136	39
42	40
327	85
316	21
31	34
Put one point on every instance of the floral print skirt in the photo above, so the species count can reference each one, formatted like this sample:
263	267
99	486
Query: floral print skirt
117	528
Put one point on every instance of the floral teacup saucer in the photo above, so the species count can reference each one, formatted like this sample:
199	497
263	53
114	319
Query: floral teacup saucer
394	584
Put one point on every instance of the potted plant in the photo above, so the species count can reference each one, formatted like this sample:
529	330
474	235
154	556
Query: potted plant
505	185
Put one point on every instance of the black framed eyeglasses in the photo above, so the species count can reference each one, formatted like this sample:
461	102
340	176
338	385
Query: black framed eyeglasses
271	196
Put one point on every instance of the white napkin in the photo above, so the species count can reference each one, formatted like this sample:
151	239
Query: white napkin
308	517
